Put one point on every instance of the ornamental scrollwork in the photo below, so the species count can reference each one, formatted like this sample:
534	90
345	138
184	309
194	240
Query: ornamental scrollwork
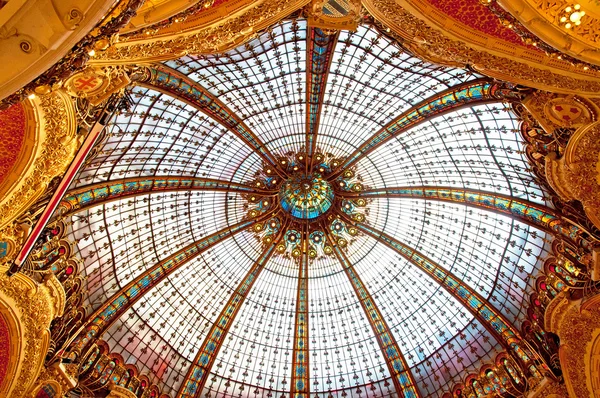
433	45
212	39
57	142
36	304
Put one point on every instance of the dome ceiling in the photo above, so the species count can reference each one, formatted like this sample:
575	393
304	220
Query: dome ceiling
300	197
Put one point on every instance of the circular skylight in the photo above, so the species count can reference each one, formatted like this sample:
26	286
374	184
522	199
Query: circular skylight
327	268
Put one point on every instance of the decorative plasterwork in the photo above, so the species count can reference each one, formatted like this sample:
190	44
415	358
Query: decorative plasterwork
157	11
36	34
58	377
544	19
331	15
439	38
51	143
577	324
549	389
555	111
120	392
576	175
12	134
34	306
194	17
476	15
219	36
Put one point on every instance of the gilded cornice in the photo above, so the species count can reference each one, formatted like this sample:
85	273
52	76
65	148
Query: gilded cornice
555	312
446	39
576	175
54	126
220	36
543	18
36	306
120	392
577	330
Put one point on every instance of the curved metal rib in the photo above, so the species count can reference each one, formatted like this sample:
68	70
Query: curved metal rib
88	196
197	374
182	87
536	215
404	381
300	387
503	331
98	322
319	54
467	94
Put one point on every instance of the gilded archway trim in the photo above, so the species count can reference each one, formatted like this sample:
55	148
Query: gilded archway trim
542	18
33	305
14	348
51	143
578	326
437	37
219	36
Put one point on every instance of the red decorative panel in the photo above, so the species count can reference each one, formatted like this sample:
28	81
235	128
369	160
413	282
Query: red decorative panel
4	349
477	16
12	135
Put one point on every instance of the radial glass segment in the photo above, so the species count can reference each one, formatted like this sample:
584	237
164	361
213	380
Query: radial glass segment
299	299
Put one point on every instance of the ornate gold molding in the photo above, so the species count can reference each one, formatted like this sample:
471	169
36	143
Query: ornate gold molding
576	175
449	40
578	326
58	377
35	305
319	19
549	389
53	125
544	19
120	392
221	35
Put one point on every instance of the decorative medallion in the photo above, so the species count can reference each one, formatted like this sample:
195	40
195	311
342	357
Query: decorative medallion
306	196
311	205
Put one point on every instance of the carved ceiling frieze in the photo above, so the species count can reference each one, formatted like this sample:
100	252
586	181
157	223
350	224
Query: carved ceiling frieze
220	36
448	39
569	26
52	133
34	305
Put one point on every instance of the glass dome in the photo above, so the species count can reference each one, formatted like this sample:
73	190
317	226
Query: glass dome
313	279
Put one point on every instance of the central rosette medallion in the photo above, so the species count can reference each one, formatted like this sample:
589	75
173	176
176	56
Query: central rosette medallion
306	196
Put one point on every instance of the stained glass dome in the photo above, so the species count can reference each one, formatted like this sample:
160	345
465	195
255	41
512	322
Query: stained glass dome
310	213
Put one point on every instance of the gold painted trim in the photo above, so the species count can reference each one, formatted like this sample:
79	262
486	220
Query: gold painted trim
52	129
434	36
219	36
34	306
206	18
16	346
541	19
